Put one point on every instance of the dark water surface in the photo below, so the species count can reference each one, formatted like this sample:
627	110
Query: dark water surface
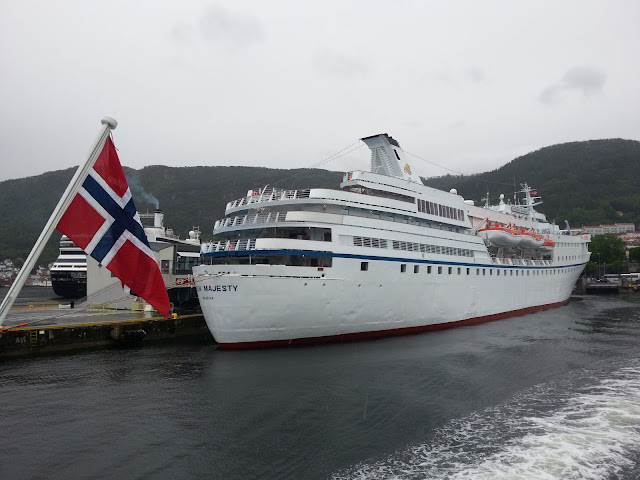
552	395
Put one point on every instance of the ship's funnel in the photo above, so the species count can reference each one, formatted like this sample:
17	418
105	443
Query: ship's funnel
158	219
387	158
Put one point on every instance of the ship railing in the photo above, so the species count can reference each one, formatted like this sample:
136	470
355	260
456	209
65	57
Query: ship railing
520	261
541	263
270	195
229	245
254	219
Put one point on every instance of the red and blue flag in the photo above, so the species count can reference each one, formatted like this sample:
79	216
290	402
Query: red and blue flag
104	222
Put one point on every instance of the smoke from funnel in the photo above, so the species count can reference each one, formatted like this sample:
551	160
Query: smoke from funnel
138	190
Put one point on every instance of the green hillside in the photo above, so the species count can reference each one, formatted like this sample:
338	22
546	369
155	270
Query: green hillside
189	196
586	183
592	182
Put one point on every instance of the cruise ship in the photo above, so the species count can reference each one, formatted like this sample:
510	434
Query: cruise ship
69	271
384	255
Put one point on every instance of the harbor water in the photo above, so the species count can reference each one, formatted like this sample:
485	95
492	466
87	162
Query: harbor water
551	395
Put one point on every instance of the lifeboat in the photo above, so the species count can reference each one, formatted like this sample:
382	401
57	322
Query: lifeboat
547	245
499	236
531	240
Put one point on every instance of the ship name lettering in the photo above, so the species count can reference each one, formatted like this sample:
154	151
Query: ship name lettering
220	288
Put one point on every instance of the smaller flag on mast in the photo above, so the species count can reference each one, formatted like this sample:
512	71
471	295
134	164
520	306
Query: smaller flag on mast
104	222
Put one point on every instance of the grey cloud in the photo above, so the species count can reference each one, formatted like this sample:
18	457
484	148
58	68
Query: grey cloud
235	29
338	64
459	78
588	80
182	33
475	75
459	125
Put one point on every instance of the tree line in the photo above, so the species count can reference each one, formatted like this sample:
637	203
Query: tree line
592	182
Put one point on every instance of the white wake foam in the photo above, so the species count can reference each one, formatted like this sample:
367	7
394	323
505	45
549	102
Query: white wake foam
550	432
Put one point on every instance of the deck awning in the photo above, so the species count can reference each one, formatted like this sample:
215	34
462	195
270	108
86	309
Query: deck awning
188	254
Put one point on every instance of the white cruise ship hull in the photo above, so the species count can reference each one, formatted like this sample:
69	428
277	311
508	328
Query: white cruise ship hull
254	307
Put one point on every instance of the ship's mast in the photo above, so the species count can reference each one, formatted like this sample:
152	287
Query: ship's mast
531	199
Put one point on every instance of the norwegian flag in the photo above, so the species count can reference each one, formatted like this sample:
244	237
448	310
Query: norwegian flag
104	222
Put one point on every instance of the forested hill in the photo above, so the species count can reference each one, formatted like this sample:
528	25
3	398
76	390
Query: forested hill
584	182
189	196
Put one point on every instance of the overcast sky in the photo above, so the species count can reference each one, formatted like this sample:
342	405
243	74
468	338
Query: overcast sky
468	85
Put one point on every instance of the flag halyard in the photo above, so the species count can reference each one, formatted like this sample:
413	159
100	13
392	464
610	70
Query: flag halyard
103	221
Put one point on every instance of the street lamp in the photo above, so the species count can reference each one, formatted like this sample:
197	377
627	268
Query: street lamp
598	265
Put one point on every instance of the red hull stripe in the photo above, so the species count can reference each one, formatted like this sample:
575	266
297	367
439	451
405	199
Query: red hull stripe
348	337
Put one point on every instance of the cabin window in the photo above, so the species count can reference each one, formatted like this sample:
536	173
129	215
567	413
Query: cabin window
364	266
459	270
484	271
468	271
416	268
439	270
184	264
403	268
428	268
164	266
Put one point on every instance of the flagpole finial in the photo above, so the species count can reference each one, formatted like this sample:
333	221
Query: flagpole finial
109	121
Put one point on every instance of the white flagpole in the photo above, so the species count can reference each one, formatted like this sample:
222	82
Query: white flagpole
68	195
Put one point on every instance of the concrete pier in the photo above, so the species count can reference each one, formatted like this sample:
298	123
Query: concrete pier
39	337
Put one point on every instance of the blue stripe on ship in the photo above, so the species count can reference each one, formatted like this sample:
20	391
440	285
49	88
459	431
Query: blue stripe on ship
124	219
310	253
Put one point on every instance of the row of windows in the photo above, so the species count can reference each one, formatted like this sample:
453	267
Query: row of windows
568	244
370	242
275	259
410	246
569	257
421	247
440	210
364	266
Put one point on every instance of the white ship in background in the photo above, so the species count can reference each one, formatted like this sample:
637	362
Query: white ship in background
176	258
384	255
69	271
